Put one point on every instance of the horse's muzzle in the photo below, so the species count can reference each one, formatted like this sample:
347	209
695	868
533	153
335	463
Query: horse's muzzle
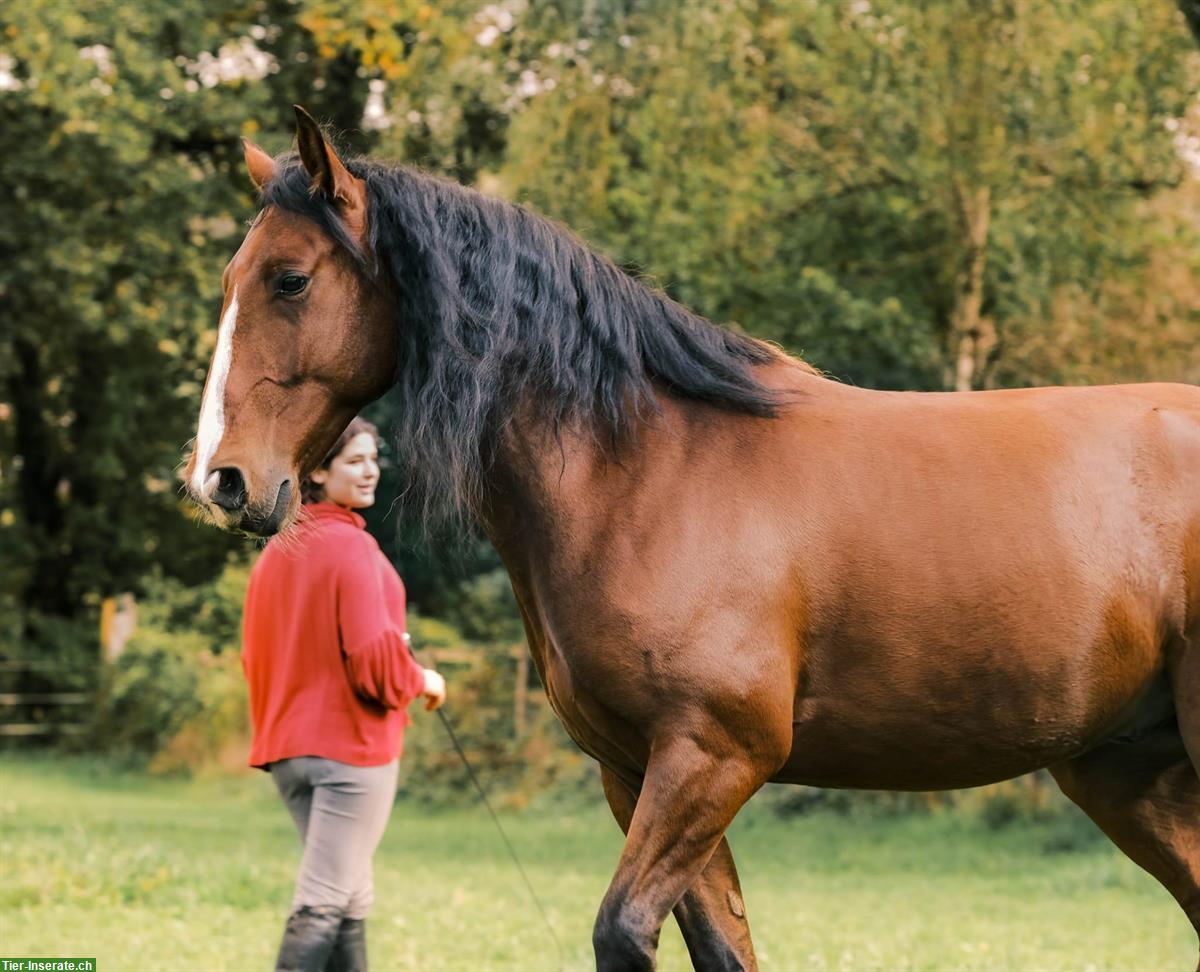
254	524
225	499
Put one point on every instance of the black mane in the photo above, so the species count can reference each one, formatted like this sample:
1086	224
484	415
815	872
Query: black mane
497	303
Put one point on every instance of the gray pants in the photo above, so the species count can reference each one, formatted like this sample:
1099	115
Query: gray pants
341	812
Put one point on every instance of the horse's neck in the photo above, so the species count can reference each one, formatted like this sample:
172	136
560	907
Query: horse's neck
544	487
533	479
549	496
521	513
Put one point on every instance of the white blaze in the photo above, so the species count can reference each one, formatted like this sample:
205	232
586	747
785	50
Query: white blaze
212	409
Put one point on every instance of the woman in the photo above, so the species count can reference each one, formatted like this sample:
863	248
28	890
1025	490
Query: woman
326	658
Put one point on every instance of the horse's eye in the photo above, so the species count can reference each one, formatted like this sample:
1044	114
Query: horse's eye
292	284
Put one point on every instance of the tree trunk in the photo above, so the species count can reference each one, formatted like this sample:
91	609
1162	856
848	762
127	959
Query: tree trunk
972	336
37	482
1191	13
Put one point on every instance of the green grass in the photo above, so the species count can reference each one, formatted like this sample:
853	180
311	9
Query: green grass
166	875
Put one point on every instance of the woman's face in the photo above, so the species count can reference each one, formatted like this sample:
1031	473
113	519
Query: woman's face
351	478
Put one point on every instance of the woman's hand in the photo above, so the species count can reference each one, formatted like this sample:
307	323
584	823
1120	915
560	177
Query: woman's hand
435	690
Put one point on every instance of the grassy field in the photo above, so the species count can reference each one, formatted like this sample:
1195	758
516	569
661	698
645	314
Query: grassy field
153	875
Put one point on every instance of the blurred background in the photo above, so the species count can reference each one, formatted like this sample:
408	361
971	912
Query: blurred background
962	195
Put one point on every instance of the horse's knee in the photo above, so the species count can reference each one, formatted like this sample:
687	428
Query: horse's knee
623	940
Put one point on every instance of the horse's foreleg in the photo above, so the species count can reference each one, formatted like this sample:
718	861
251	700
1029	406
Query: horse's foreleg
1146	796
710	913
691	791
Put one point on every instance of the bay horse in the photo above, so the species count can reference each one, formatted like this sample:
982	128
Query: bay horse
731	569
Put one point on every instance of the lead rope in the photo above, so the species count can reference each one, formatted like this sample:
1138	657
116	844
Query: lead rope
496	820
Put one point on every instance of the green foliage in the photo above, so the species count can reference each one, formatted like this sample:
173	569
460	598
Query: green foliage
744	152
430	634
175	699
485	610
211	611
150	693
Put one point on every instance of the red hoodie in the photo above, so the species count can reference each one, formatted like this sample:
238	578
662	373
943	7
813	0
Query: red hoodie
322	645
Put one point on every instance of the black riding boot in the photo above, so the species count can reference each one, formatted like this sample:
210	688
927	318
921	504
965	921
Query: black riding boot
308	939
350	949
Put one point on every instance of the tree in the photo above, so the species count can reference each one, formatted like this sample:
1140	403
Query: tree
119	151
902	192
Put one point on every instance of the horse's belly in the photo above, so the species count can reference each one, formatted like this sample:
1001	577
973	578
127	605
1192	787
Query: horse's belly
927	725
828	755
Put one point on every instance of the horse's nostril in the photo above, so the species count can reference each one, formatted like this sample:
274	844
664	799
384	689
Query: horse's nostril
230	493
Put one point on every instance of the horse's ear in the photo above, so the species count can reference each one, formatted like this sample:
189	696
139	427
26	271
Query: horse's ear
327	174
261	165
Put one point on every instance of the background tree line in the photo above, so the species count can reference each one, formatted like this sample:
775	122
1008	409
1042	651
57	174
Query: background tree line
972	194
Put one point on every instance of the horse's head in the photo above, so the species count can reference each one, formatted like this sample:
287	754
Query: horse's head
306	338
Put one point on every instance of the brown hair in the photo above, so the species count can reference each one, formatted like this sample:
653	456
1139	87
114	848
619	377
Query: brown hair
311	492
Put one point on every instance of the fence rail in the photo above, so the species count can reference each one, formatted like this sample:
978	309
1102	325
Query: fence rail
473	657
14	705
15	717
40	728
44	698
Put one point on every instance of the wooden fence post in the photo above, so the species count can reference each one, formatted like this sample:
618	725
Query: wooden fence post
521	694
